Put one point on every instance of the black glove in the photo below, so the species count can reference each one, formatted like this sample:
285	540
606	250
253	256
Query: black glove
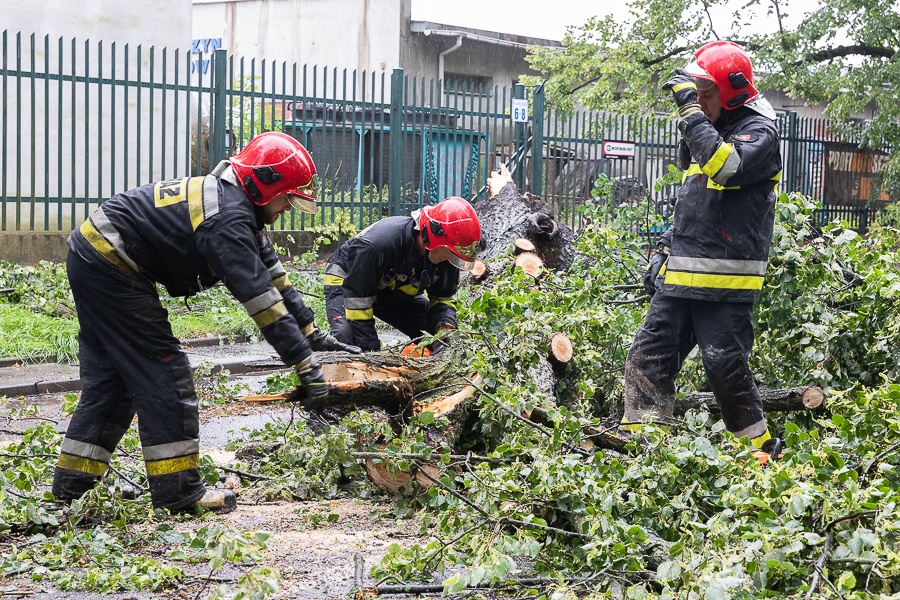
653	267
684	90
313	391
442	343
320	341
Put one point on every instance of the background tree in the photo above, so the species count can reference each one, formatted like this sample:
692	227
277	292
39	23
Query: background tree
843	53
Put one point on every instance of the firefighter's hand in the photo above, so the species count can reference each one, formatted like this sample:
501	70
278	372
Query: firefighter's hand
441	343
320	341
653	269
684	91
312	381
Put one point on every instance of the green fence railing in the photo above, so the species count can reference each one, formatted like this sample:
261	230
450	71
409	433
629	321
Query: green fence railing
81	121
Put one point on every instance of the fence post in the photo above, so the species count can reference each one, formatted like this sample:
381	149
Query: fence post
788	182
537	142
217	125
396	143
519	139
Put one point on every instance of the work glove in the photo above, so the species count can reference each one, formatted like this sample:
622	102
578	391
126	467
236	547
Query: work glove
442	343
684	91
320	341
654	267
313	391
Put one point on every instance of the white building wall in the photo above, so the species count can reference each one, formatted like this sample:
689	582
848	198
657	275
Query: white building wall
361	34
65	141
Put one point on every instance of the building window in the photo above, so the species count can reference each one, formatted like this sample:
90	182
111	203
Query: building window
459	83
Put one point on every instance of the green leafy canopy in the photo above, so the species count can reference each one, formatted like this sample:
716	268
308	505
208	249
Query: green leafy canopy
842	53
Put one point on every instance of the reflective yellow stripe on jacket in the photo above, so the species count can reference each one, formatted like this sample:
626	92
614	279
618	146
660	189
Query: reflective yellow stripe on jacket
725	274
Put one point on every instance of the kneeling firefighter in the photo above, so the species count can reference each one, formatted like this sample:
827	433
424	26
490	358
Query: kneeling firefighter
388	268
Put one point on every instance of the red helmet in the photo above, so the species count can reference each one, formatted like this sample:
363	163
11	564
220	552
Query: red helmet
452	224
274	163
728	66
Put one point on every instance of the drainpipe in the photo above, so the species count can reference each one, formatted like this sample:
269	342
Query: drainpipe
441	56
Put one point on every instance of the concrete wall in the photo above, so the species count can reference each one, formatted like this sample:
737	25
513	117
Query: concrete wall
152	22
356	34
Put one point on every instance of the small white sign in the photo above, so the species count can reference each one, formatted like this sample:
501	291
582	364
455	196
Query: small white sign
519	110
618	149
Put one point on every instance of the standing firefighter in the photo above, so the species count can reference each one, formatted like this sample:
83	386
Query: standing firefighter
186	234
709	266
383	272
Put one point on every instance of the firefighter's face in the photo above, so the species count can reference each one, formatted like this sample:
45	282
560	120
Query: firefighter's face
710	102
277	207
439	255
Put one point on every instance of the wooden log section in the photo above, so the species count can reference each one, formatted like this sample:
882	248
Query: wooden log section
479	270
521	245
530	263
774	400
452	407
561	351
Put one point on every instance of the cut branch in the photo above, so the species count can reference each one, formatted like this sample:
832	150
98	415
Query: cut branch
774	400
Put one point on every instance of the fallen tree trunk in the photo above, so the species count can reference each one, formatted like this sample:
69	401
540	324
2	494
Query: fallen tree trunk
521	221
774	400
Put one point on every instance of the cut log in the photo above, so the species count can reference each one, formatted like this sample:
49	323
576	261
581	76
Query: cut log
479	270
561	351
774	400
394	480
530	263
521	245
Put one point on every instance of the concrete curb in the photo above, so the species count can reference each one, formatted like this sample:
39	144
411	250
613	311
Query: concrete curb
19	378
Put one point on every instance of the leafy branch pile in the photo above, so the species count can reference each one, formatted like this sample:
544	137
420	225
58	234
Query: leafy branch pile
682	514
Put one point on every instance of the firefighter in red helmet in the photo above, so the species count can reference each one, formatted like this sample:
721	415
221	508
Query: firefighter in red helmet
388	268
709	266
186	234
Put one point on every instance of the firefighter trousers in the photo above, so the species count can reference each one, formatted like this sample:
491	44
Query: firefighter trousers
673	327
130	363
408	314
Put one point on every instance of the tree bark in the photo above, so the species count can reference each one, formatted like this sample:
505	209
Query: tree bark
774	400
508	215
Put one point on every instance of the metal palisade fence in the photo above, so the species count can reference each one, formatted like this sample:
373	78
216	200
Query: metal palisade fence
84	120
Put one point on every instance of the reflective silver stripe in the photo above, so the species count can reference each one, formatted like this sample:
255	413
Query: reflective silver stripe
171	450
263	301
85	450
210	196
729	168
277	270
108	230
333	269
716	265
359	303
753	431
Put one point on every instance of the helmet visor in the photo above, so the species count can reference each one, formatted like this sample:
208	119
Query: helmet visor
301	203
463	257
310	190
701	76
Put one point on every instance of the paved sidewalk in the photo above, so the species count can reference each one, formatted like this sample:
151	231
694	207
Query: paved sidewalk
25	379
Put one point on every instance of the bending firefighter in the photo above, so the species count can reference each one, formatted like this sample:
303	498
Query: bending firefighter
186	234
384	271
709	266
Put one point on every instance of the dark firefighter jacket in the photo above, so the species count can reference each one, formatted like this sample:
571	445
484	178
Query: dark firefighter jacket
188	234
384	259
722	229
